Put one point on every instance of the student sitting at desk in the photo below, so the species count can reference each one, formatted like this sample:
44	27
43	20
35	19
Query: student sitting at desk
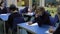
11	18
41	17
3	9
28	13
58	25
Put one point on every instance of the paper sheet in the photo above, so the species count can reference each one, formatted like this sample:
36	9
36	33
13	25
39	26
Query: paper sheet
47	32
3	14
29	14
32	24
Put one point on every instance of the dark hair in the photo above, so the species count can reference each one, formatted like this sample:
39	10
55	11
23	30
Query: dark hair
34	7
12	7
1	3
41	8
26	9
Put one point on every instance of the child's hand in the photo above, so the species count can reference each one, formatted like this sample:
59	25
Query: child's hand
51	30
29	23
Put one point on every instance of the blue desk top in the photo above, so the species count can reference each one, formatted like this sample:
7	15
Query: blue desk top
35	29
4	17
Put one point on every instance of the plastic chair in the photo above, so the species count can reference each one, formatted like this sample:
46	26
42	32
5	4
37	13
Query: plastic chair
54	20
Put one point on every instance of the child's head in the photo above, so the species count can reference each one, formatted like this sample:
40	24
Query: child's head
40	10
49	4
12	7
2	4
26	9
34	7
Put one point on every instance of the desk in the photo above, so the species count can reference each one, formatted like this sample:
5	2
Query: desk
4	17
34	29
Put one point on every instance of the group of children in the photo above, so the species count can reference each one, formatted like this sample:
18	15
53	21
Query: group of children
40	16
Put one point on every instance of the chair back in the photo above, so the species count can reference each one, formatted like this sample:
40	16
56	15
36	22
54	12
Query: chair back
53	20
16	21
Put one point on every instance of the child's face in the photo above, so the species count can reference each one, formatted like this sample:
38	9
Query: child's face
29	10
39	12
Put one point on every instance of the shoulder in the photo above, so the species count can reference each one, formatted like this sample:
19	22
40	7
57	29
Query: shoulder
5	8
17	14
47	13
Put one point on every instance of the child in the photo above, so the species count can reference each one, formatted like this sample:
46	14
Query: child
14	14
41	17
3	9
27	12
58	27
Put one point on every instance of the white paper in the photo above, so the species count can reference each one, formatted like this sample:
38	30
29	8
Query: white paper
29	13
32	24
47	32
3	14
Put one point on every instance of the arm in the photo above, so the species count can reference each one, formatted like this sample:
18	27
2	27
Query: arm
34	20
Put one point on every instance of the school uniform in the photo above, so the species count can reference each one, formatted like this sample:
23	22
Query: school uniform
44	19
4	10
9	23
26	13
